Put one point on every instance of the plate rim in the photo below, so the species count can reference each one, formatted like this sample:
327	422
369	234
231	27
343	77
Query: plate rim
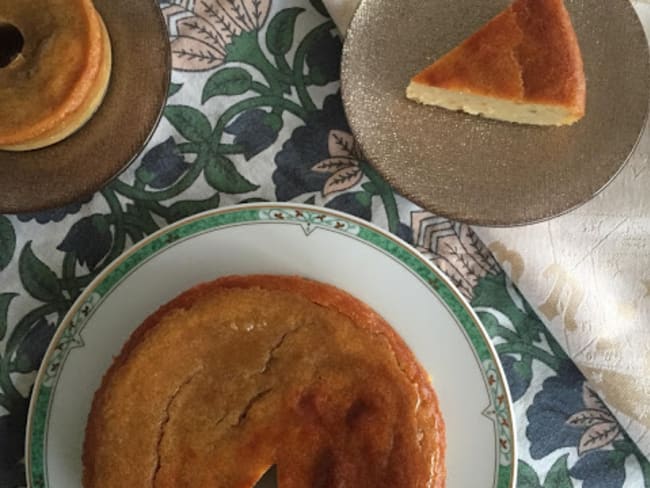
458	216
505	475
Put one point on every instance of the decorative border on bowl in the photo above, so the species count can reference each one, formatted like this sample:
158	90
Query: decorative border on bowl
309	218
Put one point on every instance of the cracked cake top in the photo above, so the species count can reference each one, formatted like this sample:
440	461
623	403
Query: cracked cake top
244	373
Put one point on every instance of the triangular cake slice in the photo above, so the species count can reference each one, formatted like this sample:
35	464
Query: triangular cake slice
523	66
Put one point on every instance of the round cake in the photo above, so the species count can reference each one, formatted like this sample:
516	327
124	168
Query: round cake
58	77
245	373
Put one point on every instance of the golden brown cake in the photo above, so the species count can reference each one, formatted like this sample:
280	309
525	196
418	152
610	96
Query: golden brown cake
523	66
244	373
57	81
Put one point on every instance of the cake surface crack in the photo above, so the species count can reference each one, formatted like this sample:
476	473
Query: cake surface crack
165	421
516	49
271	356
255	399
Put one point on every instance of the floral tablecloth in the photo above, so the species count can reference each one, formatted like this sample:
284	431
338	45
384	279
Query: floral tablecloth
254	114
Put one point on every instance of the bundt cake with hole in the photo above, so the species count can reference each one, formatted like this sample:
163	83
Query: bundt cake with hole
58	79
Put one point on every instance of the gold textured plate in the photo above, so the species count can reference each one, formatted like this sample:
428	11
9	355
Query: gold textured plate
483	171
137	92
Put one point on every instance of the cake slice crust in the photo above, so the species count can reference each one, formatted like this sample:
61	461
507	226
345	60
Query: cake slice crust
523	66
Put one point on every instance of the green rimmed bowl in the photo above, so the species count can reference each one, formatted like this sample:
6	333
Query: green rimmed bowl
400	284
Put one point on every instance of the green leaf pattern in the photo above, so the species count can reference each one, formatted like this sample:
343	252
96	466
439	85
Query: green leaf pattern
7	241
279	36
37	278
231	58
228	81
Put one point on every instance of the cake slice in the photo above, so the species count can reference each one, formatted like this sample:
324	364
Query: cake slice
523	66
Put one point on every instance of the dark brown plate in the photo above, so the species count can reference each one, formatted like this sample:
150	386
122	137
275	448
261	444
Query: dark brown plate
87	160
483	171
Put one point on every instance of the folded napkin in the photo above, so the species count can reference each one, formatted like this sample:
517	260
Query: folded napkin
587	273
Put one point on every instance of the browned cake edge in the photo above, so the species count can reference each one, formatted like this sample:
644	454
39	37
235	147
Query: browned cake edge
319	293
77	118
77	97
557	77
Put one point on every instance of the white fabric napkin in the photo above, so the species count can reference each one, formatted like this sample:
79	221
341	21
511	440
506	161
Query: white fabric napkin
588	275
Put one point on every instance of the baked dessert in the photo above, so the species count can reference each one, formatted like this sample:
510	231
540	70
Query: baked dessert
523	66
59	78
249	372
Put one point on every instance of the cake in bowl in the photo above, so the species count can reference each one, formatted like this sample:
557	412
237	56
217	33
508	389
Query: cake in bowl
245	373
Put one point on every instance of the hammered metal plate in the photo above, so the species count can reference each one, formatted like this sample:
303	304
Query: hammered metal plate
102	148
482	171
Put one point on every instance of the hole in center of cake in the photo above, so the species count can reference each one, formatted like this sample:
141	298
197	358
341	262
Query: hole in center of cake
11	43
